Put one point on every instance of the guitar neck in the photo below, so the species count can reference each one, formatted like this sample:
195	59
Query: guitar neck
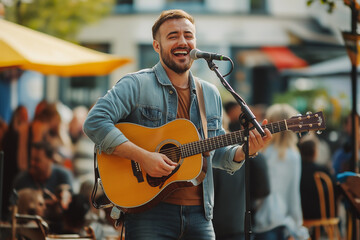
232	138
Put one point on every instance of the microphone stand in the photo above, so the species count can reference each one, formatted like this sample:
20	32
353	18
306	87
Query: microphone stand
246	117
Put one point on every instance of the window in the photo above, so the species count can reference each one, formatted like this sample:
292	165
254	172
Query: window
187	5
148	57
124	6
124	2
258	6
185	1
85	90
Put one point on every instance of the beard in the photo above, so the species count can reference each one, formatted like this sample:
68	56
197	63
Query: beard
171	64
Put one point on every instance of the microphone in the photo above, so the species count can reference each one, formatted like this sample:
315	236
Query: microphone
196	54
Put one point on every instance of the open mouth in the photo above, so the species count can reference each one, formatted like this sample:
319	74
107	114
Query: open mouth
180	52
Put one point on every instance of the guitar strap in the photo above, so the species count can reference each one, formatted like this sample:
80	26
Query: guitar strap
116	214
200	97
96	184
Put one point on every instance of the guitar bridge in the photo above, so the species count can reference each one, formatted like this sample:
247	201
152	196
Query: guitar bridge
137	171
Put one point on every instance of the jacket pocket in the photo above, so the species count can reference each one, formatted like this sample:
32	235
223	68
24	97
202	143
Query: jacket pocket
150	116
213	125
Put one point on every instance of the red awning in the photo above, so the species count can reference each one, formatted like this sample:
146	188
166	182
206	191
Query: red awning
283	58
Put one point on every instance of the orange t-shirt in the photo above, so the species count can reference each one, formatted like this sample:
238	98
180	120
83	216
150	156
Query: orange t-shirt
188	195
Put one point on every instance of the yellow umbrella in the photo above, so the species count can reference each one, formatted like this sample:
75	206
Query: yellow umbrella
31	50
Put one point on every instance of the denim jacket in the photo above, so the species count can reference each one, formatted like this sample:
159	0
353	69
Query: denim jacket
148	98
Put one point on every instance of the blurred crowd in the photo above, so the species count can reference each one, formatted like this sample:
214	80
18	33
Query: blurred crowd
49	170
283	191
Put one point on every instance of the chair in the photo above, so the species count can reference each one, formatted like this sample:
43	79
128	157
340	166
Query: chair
90	235
351	190
33	227
329	221
349	185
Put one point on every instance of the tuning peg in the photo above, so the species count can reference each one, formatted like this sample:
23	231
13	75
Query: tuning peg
318	132
308	115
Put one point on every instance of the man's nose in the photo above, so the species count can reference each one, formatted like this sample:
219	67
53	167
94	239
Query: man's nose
182	40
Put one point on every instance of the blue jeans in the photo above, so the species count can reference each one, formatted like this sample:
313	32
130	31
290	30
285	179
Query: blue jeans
168	221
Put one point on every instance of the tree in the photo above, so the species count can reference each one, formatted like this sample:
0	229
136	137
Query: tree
331	4
59	18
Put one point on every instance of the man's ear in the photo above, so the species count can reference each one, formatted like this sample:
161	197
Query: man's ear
156	46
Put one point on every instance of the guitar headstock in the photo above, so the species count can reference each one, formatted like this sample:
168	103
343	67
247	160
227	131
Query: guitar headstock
308	122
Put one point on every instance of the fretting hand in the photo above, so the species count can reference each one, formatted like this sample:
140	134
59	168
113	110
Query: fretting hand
256	142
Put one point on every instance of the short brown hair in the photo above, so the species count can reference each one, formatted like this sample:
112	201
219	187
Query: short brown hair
170	14
307	150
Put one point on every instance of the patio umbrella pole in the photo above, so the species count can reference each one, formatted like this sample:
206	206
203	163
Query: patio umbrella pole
355	122
355	119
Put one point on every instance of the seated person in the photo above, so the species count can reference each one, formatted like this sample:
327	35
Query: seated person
309	193
74	216
55	181
31	202
29	222
43	173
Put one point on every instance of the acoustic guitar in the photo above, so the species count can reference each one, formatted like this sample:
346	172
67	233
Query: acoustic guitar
132	190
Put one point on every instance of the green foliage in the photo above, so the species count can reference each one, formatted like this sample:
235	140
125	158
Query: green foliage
335	109
330	4
59	18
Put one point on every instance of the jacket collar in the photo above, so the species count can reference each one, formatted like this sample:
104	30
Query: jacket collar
163	78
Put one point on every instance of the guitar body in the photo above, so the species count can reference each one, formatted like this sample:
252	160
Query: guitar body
129	187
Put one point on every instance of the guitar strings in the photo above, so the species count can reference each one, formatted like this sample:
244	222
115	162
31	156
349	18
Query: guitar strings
188	148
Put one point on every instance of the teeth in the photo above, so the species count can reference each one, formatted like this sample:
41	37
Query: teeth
180	52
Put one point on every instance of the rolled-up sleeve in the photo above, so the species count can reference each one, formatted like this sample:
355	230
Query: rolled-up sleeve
117	104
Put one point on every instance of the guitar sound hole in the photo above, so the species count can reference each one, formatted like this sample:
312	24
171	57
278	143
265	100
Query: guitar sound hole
173	153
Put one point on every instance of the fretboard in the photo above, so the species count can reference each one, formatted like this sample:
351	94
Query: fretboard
232	138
